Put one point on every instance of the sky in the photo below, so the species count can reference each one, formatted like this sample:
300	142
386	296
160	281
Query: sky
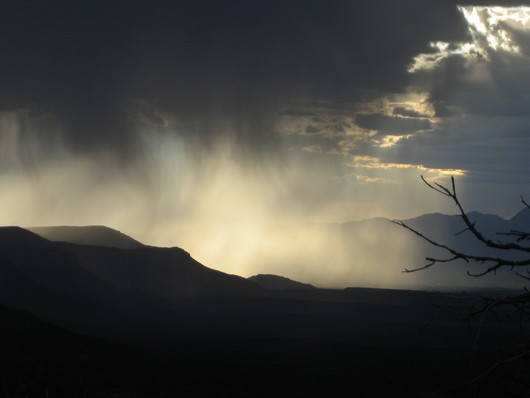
180	122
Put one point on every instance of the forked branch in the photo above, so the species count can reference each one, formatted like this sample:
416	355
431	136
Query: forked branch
517	305
493	262
471	225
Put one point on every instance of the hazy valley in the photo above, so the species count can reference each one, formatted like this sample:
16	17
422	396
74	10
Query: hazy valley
367	253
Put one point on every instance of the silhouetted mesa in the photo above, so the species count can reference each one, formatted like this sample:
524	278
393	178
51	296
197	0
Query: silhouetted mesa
19	237
164	272
93	235
96	271
275	282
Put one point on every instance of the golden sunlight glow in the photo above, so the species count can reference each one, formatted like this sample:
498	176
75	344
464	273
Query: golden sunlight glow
415	102
373	180
314	148
443	172
491	29
340	130
391	140
230	213
367	162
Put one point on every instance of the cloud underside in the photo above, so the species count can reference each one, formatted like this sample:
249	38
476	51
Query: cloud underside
492	30
460	109
424	120
463	113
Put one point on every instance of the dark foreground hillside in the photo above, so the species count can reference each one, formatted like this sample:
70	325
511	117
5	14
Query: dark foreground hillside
91	321
262	347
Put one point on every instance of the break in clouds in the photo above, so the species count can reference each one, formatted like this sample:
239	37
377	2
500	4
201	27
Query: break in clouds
214	128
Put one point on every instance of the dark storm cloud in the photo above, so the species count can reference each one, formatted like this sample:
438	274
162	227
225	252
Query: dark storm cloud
486	151
496	86
296	113
479	89
313	130
27	139
205	64
206	69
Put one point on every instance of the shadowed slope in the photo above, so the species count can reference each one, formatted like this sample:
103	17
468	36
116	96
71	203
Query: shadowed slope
97	271
20	237
101	289
38	276
93	235
166	272
46	264
275	282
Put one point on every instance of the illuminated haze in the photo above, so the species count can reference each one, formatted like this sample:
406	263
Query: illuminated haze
242	133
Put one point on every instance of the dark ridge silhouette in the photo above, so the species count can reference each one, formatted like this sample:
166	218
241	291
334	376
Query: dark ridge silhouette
82	314
98	271
275	282
165	272
46	264
19	237
94	235
50	283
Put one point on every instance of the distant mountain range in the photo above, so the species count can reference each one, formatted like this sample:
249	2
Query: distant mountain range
451	231
385	249
59	273
370	253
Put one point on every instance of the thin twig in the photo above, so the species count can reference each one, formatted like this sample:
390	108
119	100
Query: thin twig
494	367
471	225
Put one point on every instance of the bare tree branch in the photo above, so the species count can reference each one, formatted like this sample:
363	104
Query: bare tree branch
498	262
492	263
471	225
522	276
518	305
520	234
521	355
526	204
